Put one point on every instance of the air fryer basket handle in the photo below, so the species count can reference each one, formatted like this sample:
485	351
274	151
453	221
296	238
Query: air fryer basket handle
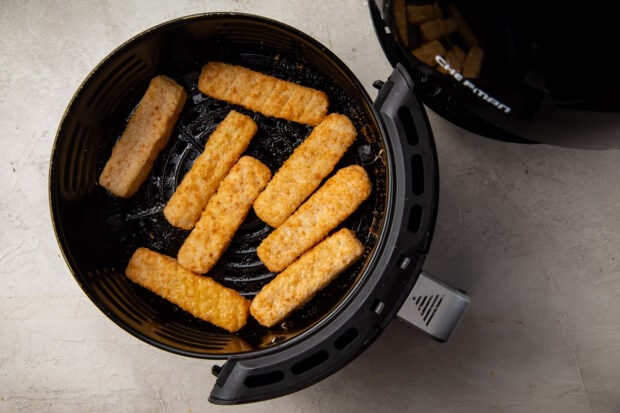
255	378
432	306
408	129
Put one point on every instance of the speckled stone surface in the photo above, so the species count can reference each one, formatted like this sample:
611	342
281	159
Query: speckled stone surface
532	233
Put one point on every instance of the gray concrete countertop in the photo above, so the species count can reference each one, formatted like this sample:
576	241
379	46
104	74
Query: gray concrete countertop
530	232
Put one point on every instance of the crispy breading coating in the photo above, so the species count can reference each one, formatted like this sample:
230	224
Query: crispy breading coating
146	134
201	296
223	215
331	204
304	170
418	14
473	62
223	148
428	51
300	281
436	29
263	93
455	58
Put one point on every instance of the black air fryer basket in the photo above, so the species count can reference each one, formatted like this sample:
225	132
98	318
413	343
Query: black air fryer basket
98	233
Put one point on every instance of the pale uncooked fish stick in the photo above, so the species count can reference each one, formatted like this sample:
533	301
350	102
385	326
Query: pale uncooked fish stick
331	204
223	215
223	148
263	93
304	170
201	296
146	134
300	281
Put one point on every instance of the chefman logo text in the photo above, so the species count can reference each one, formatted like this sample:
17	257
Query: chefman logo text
480	93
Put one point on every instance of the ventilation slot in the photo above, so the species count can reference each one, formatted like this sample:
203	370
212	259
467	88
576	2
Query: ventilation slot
417	170
428	305
266	379
408	125
415	218
346	338
310	362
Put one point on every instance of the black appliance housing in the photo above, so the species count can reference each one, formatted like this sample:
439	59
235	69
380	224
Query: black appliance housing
547	73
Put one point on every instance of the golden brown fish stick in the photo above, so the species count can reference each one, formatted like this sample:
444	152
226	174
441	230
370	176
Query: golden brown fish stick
455	58
428	51
331	204
241	83
263	93
399	12
312	272
473	62
223	215
274	102
418	14
436	29
258	91
218	78
304	170
223	148
199	295
145	135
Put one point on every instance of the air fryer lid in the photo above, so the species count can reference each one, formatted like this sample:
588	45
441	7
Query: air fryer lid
97	233
545	72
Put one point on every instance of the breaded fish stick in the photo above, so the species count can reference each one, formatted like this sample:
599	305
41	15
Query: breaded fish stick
223	148
263	93
419	14
428	51
304	170
331	204
473	62
400	18
223	215
313	271
436	29
199	295
145	135
455	58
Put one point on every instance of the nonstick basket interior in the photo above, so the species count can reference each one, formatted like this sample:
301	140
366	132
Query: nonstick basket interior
98	233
